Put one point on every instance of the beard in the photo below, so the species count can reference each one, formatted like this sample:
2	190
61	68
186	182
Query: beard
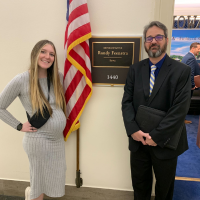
158	53
196	53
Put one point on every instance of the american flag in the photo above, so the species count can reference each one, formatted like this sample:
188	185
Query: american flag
77	70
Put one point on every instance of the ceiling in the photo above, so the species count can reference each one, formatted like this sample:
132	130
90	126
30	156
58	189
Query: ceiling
187	7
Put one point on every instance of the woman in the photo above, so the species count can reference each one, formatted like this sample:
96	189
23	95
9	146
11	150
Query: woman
44	146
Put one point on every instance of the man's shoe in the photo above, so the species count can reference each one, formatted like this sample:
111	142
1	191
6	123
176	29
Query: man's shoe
27	193
187	121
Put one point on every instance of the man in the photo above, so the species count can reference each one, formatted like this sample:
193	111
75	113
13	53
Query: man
170	93
190	60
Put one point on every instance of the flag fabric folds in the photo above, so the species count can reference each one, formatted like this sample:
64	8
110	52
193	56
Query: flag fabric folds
77	69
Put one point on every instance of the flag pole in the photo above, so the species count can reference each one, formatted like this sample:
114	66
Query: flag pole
77	95
78	180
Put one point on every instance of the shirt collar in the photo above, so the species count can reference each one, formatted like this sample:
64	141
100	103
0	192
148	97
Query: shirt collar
159	64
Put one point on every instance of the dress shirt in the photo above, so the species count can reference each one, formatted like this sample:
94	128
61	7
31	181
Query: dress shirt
158	66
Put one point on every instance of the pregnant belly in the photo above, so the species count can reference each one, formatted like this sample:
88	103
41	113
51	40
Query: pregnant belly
53	128
56	123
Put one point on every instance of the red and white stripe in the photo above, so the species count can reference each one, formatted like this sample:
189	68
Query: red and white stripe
77	70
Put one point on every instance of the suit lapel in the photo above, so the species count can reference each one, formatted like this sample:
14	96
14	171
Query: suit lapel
145	78
161	77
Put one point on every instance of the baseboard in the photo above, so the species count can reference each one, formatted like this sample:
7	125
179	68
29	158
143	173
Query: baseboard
17	188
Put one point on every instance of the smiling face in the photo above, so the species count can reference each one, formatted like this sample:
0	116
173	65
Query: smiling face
155	48
46	57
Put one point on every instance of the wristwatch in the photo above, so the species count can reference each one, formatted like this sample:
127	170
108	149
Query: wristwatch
19	127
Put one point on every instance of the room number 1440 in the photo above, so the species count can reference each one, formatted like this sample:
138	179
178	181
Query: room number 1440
112	76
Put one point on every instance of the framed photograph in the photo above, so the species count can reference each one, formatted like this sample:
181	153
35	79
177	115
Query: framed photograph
181	41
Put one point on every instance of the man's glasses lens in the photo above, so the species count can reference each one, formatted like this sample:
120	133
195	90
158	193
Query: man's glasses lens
157	38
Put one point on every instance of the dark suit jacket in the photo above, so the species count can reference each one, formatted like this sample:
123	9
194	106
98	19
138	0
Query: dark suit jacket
171	93
190	60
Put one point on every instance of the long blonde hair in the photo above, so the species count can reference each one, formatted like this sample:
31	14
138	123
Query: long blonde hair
38	100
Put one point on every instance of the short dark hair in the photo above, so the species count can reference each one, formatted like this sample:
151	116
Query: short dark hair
158	24
194	44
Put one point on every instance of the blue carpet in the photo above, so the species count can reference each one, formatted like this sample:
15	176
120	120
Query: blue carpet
189	165
186	190
189	162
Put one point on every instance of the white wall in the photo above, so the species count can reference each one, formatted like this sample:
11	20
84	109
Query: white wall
104	155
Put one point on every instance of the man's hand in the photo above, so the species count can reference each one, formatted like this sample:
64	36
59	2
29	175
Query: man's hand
150	142
139	136
194	87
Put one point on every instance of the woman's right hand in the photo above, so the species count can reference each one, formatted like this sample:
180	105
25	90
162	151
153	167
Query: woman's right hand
28	128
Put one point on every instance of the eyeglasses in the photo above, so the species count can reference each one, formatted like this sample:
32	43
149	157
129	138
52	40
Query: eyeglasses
157	38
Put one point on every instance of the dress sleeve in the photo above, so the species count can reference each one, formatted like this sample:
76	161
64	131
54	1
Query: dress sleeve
7	96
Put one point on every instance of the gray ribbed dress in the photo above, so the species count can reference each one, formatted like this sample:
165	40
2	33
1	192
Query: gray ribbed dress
46	147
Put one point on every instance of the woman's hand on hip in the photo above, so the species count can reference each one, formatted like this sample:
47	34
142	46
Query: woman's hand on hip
28	128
